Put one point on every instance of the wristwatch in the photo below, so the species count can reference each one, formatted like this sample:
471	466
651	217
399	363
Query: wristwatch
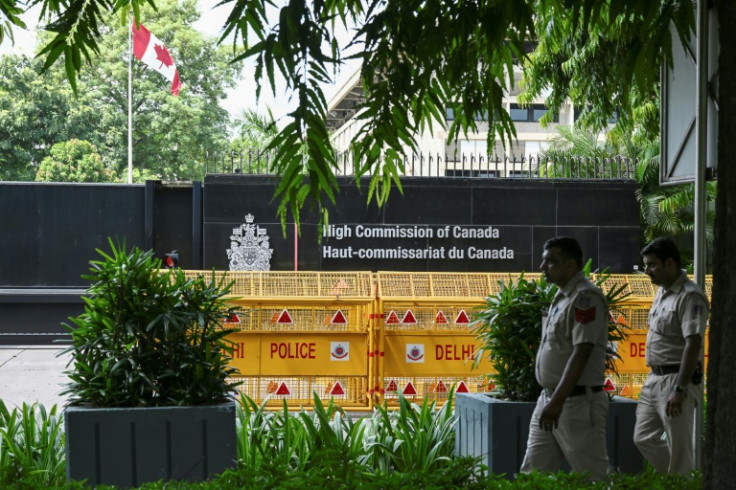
679	389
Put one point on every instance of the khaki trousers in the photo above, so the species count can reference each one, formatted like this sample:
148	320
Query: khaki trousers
580	437
666	442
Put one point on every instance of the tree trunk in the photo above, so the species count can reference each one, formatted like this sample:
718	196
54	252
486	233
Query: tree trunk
720	428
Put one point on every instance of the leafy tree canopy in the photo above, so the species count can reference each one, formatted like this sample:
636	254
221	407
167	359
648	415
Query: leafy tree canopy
74	161
418	58
254	130
249	150
169	133
35	113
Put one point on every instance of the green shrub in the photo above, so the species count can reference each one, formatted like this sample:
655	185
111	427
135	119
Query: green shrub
74	161
148	337
412	438
31	447
297	442
509	328
323	449
457	473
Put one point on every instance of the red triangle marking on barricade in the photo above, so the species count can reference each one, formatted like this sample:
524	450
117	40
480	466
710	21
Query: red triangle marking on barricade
409	317
339	287
608	385
462	388
285	317
441	388
490	386
440	318
409	389
232	318
337	389
339	318
462	317
392	318
283	389
392	386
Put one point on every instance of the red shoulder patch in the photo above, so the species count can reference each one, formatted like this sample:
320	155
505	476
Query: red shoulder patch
585	316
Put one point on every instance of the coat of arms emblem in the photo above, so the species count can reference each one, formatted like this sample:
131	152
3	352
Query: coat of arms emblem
249	247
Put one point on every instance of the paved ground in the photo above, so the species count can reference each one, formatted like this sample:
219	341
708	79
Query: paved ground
32	374
36	374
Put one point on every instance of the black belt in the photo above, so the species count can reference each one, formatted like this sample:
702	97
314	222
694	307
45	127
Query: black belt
579	390
667	369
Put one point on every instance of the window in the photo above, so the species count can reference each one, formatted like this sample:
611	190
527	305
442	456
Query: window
518	113
531	113
450	115
538	112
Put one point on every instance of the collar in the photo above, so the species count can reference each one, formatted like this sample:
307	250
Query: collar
677	284
570	286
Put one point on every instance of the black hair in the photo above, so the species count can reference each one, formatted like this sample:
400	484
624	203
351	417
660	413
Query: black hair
569	248
663	248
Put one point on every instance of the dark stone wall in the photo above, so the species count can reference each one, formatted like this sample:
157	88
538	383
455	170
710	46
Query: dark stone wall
49	232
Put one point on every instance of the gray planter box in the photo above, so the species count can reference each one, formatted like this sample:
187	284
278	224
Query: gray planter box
497	430
131	446
622	452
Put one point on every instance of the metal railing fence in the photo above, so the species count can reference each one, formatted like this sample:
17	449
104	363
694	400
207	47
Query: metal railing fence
540	166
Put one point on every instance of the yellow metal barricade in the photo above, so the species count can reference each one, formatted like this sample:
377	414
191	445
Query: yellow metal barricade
426	346
360	338
301	334
423	350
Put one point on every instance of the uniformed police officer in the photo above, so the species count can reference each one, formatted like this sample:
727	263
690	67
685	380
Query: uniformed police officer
669	397
569	420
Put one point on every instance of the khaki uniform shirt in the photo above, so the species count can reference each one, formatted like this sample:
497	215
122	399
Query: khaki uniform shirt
676	313
578	315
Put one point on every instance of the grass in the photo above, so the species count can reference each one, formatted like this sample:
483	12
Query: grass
31	446
412	446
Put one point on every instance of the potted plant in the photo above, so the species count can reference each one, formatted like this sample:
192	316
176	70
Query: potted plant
495	426
150	390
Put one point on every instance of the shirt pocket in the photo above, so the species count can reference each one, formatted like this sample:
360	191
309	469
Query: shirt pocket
664	322
552	327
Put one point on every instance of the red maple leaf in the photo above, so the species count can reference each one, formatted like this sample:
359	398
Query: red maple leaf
162	54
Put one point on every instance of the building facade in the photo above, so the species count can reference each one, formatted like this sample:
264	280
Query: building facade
466	157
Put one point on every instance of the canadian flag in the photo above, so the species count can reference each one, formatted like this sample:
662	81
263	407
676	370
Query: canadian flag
151	51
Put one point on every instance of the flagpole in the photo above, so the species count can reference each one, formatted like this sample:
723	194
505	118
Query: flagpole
130	104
